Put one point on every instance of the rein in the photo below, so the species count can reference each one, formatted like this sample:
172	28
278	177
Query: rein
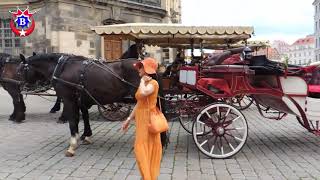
80	86
8	80
114	74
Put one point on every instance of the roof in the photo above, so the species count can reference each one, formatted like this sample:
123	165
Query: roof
305	41
176	34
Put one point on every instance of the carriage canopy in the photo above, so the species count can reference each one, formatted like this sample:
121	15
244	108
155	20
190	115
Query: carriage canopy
171	35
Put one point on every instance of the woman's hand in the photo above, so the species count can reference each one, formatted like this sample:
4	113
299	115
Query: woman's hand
125	125
146	78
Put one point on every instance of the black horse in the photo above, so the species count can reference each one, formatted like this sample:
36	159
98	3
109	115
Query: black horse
105	82
85	83
8	67
8	74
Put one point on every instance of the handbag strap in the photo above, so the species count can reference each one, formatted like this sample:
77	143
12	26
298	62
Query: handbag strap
160	104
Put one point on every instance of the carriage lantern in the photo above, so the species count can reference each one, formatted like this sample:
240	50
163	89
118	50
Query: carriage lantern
247	53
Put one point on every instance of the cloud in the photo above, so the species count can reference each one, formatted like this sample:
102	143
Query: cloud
274	18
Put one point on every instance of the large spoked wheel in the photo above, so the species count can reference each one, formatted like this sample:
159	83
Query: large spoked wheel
220	131
241	102
115	111
188	112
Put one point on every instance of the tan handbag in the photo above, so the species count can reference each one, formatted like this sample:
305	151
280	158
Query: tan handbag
158	122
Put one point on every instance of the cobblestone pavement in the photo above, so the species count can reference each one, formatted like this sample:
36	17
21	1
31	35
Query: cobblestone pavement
35	150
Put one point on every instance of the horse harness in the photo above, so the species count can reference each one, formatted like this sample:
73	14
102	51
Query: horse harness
3	61
85	64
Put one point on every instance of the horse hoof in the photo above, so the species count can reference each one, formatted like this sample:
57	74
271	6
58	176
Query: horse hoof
69	154
11	118
86	141
52	111
17	121
61	121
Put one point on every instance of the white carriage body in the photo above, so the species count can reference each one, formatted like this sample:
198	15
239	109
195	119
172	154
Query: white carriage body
297	88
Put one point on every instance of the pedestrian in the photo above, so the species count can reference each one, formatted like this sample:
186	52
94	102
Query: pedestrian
147	146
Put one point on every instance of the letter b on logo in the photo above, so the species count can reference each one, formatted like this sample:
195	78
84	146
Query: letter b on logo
22	22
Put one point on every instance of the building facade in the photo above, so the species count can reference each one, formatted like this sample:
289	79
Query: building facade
64	25
270	53
281	46
302	51
316	5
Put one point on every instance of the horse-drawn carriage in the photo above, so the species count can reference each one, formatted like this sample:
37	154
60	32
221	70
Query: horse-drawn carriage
202	92
220	129
181	100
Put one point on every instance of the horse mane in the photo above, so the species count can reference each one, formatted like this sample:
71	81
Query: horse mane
12	59
132	52
54	57
4	55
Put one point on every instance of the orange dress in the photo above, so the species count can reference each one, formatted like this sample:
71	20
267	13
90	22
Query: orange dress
147	146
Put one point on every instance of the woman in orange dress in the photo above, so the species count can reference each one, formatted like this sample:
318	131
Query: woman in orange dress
147	146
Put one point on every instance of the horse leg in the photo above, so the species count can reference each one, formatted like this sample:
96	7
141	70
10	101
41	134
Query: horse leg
72	112
56	106
13	115
23	105
87	133
63	118
20	113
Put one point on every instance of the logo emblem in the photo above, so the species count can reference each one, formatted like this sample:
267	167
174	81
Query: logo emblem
22	22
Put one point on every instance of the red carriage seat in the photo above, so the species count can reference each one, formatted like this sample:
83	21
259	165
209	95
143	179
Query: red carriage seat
219	84
232	59
314	83
314	88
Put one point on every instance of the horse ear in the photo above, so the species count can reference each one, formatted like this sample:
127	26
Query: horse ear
23	59
34	54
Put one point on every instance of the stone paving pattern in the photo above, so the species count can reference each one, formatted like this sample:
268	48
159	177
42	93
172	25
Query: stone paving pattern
35	150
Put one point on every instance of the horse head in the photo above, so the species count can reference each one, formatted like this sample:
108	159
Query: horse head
31	71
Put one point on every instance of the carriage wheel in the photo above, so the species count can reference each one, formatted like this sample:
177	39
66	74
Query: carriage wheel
220	131
188	113
115	111
241	102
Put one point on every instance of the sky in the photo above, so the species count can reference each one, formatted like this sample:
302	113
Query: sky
285	20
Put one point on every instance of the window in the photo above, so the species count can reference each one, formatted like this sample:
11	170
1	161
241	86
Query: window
8	39
17	43
7	33
6	23
316	43
8	43
304	54
91	44
310	53
300	62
